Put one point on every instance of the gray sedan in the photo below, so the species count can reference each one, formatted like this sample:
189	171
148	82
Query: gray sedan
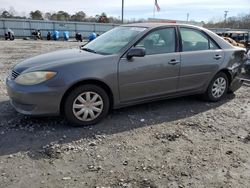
128	65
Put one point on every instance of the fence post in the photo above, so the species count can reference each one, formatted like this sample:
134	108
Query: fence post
30	28
4	26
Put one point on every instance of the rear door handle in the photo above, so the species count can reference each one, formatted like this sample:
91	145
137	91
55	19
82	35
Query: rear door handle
173	62
217	57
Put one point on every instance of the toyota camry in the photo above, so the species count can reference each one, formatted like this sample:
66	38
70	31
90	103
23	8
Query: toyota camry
127	65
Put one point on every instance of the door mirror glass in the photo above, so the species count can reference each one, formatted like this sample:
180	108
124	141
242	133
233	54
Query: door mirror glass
136	52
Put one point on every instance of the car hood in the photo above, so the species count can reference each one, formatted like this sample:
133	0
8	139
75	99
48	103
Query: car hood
57	57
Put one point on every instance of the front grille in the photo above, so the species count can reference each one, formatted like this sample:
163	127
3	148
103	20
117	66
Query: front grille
14	74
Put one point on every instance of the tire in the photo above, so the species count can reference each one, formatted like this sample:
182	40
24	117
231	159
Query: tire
75	109
219	79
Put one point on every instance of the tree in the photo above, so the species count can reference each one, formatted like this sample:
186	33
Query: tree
235	22
11	14
114	20
47	16
61	16
103	18
6	14
78	16
36	15
53	16
91	19
12	11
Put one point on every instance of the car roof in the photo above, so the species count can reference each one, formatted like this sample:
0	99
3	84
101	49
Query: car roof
152	25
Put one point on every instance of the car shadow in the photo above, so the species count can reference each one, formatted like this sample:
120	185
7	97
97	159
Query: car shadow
19	133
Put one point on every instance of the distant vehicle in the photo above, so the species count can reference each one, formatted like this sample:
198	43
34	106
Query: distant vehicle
233	42
127	65
239	36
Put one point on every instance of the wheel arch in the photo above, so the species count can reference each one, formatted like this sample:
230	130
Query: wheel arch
85	82
225	71
228	74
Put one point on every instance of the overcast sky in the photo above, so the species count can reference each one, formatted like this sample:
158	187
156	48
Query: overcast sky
200	10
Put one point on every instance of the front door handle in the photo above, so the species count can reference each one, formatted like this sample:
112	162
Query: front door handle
217	57
173	62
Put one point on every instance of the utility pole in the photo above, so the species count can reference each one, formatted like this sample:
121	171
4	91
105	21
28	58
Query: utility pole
122	11
187	17
154	12
225	15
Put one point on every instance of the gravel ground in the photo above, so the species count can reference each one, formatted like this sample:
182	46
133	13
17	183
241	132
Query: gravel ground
182	142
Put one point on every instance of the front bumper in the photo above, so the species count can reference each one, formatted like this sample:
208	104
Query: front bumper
34	100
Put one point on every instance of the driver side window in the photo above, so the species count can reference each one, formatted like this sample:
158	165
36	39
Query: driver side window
159	42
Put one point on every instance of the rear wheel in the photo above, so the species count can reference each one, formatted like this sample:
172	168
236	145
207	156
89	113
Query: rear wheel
217	88
86	105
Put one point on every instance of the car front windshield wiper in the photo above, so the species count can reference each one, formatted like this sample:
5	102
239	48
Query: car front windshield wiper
89	50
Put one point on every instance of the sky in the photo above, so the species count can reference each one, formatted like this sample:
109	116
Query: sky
199	10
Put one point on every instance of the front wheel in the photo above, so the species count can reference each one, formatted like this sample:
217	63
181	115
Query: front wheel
217	88
86	105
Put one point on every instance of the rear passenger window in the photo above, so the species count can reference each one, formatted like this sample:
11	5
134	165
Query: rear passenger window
194	40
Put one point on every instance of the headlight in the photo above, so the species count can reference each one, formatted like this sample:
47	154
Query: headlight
32	78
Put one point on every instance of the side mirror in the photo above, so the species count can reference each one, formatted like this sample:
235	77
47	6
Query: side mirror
136	52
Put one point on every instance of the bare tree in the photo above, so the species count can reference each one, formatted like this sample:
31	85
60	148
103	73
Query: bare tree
78	16
235	22
36	15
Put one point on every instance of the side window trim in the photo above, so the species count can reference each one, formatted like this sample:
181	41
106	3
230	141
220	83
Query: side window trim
211	39
214	43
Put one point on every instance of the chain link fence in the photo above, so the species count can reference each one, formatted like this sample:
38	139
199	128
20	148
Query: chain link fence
24	28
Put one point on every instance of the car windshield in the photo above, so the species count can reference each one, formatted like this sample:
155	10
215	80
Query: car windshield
114	40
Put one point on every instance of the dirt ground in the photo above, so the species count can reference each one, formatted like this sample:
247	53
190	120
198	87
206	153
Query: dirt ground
177	143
